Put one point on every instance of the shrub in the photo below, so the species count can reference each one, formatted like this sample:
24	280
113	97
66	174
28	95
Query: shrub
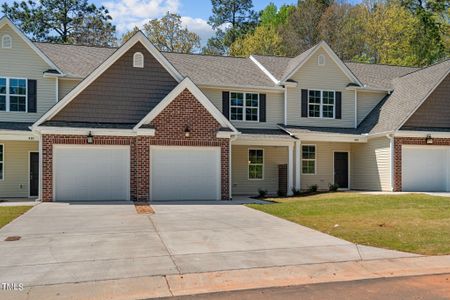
296	192
313	188
333	187
262	193
281	193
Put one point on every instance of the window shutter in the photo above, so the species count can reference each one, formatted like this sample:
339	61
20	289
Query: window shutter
304	103
262	107
32	96
226	104
338	105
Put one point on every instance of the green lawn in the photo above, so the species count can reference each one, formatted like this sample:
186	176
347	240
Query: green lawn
9	213
415	223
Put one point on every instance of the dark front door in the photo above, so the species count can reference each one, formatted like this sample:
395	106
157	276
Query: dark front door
341	169
34	174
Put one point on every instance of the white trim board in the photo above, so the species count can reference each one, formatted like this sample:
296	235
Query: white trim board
138	37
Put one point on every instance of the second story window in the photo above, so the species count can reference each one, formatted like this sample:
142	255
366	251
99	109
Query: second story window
244	106
13	94
321	104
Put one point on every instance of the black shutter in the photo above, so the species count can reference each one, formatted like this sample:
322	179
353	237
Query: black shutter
262	107
338	105
304	103
226	104
32	96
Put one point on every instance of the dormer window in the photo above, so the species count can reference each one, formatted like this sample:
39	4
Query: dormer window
321	60
138	60
6	41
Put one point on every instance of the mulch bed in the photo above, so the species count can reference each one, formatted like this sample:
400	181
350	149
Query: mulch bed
143	208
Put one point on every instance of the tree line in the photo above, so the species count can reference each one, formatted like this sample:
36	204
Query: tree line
399	32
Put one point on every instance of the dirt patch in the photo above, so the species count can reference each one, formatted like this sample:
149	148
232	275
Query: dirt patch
143	208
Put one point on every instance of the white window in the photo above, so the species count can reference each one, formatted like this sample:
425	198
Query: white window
255	164
13	94
321	60
138	60
309	159
244	106
2	162
321	104
6	41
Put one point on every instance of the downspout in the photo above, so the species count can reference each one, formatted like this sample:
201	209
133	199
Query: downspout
57	89
285	105
230	184
391	147
356	108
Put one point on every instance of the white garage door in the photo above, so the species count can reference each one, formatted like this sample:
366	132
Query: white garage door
184	173
91	173
425	169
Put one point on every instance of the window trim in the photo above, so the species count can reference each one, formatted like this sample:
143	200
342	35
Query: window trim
319	57
3	41
321	104
244	106
249	163
309	159
141	56
2	162
8	95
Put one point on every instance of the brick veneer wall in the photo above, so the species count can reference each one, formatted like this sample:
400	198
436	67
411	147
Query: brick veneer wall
398	143
170	126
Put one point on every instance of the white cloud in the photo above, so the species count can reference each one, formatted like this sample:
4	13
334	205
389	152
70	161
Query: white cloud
199	26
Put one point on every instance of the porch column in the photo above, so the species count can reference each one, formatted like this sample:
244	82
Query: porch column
290	168
298	146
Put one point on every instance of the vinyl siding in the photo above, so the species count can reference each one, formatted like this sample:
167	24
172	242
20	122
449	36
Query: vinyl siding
23	62
366	102
16	174
121	94
273	156
371	165
324	164
328	77
435	111
274	107
65	86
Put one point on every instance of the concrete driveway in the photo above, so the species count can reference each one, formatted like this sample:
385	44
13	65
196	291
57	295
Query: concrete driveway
76	242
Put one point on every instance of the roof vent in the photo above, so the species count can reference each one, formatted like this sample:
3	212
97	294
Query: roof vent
6	41
138	60
321	60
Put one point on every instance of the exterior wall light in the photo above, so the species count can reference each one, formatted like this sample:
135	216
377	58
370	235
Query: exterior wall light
90	138
429	139
187	132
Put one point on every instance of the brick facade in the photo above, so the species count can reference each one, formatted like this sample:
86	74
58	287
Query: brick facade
184	111
398	143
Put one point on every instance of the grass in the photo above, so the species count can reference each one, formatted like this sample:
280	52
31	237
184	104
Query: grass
9	213
416	223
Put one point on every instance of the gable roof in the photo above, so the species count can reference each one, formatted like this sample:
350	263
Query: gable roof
139	37
198	94
410	91
4	21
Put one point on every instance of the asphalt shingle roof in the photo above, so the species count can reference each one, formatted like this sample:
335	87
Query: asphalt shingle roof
20	126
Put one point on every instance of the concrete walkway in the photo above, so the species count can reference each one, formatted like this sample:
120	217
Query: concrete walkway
65	243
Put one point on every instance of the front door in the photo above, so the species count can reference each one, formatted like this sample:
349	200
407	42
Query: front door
341	169
34	174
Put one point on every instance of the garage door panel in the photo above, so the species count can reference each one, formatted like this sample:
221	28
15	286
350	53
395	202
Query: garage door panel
185	173
425	169
91	173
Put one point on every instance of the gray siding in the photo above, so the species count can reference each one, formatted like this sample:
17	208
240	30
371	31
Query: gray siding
23	62
328	77
65	86
435	111
366	102
274	107
122	94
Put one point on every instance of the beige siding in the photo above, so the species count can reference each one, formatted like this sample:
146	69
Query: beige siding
16	174
273	156
371	165
366	102
65	86
328	77
274	108
324	164
23	62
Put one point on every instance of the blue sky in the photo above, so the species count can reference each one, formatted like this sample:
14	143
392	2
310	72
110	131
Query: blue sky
129	13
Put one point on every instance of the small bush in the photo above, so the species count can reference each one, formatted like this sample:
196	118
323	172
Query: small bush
333	187
296	192
262	193
281	193
313	188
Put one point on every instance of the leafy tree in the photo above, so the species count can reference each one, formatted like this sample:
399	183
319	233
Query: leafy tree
168	34
272	16
68	21
264	41
215	44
